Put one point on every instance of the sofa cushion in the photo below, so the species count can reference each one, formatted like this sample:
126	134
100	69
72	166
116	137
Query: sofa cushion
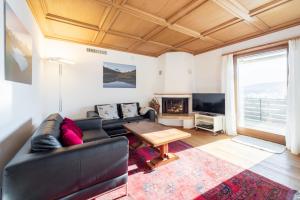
113	124
129	110
45	142
92	135
117	132
108	111
54	117
70	138
113	121
133	119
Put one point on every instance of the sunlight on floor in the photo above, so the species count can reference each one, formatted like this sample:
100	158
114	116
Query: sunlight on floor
235	153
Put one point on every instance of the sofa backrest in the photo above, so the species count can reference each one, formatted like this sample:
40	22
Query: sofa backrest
51	125
120	113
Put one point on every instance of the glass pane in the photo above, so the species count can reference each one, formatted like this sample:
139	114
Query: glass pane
262	91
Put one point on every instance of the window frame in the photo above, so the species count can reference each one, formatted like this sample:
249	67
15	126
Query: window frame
277	138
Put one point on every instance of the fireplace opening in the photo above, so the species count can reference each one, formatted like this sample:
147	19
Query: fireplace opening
175	105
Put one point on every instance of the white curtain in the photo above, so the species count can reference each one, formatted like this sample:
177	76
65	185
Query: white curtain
293	96
229	90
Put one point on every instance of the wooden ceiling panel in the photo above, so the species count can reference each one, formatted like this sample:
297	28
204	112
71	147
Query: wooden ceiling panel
37	10
70	31
281	14
170	37
235	31
90	12
197	45
118	41
150	48
137	27
160	8
205	17
153	27
252	4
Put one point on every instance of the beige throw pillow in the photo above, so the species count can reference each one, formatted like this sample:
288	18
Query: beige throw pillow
129	110
108	111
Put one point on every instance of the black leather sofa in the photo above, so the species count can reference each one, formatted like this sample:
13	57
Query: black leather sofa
115	127
76	172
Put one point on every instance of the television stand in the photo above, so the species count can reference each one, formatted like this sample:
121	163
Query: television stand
208	114
209	122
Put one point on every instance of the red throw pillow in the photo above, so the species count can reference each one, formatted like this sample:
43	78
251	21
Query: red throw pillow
70	138
70	124
67	120
74	128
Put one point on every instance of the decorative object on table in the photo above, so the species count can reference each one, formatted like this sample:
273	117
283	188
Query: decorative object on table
60	62
154	104
119	75
18	49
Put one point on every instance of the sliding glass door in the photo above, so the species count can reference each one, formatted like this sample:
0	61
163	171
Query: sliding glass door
261	84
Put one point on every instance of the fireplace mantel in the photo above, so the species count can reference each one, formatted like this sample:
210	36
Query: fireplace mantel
180	95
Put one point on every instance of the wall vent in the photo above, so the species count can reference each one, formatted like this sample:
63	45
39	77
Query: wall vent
98	51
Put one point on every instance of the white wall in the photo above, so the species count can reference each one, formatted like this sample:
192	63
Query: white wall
177	72
82	84
20	106
208	65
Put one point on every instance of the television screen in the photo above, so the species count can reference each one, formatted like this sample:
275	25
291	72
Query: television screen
209	102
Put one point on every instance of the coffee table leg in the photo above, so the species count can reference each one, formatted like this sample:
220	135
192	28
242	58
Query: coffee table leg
164	157
137	145
164	150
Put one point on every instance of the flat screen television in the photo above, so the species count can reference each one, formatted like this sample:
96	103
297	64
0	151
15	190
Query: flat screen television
209	103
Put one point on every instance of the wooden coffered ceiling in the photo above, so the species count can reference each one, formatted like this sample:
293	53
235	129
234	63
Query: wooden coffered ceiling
153	27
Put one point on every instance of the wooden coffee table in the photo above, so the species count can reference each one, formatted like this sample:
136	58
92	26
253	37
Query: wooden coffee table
158	136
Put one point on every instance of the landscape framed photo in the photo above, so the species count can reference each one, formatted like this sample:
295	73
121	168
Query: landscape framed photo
18	49
119	75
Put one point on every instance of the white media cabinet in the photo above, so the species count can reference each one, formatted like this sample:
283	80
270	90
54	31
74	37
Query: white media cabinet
213	123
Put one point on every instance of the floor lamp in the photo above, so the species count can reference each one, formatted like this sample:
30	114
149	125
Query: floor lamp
60	62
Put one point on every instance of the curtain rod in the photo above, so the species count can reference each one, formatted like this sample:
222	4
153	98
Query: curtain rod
268	45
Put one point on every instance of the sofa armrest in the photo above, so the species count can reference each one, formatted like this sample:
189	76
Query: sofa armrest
66	170
150	115
92	114
89	123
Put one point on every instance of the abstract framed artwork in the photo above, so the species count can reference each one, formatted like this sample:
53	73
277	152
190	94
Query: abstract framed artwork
119	75
18	49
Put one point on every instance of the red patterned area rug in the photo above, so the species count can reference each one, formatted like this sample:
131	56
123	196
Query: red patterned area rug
196	175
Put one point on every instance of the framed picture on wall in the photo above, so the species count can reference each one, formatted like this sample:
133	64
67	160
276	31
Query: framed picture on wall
18	49
119	75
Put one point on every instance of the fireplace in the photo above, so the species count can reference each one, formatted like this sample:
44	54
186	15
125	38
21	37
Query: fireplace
175	105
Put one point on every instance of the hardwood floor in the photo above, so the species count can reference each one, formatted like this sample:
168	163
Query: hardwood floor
283	168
